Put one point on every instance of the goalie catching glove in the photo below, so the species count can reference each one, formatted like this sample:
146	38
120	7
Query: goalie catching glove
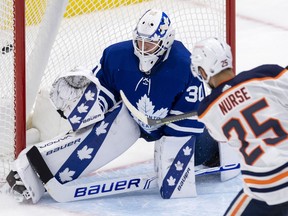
75	96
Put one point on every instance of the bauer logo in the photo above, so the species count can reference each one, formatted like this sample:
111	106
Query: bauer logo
58	148
55	141
107	188
182	181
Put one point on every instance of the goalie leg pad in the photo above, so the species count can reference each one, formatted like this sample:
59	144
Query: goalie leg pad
79	153
90	148
176	178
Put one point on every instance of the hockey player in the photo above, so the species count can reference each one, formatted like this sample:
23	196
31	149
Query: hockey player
153	71
249	111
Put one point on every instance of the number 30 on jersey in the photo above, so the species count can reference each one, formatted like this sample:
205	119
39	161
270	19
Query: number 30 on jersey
195	93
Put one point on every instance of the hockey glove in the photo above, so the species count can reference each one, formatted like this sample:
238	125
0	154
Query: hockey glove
76	98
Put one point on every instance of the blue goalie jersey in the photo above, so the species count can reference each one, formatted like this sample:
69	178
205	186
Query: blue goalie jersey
170	88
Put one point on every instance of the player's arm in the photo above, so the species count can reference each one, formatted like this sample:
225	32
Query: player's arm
103	71
185	102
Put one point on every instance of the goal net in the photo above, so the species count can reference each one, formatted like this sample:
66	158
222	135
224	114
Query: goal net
60	35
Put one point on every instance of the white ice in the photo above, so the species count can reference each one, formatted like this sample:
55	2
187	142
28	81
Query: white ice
261	38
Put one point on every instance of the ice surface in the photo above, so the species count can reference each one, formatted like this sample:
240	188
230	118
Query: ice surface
149	202
213	198
262	37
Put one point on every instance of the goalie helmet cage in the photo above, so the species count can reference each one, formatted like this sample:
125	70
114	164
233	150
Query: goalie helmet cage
47	37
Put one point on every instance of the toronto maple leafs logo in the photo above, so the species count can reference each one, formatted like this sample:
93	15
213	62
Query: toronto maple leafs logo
75	119
164	26
89	96
82	108
102	128
85	153
145	106
66	175
171	181
179	166
187	151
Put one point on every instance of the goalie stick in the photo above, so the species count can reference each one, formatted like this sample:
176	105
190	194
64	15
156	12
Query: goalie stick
150	121
82	191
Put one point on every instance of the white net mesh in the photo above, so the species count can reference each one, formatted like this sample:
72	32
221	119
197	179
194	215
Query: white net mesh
7	87
81	39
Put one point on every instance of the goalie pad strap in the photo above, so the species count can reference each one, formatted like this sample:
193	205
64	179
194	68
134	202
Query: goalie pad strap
38	164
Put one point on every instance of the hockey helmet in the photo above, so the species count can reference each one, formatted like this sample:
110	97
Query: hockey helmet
213	55
152	37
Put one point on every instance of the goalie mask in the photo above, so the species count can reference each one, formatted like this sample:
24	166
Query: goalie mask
213	55
152	37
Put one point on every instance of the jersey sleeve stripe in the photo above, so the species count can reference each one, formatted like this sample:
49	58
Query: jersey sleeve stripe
185	129
270	189
268	185
238	205
267	181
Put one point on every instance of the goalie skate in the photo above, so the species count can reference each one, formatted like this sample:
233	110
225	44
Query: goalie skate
15	187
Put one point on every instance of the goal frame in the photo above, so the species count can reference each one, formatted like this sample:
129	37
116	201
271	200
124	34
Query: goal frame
231	27
19	76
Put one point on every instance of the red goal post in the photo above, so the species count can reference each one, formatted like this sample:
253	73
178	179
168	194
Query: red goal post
45	38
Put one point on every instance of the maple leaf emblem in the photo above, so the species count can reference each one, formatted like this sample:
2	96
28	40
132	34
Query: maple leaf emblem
90	95
66	175
145	106
85	153
187	151
179	166
75	119
82	108
102	128
165	26
171	181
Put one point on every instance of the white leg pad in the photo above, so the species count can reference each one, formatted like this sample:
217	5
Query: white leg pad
176	178
80	152
228	155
